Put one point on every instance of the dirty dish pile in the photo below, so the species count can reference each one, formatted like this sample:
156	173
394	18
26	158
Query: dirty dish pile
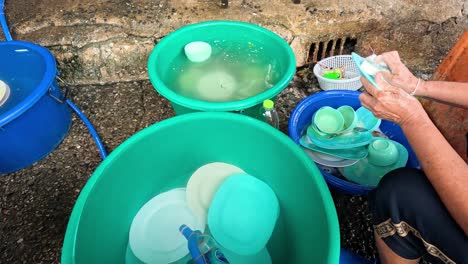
384	156
301	118
241	212
350	140
164	156
334	135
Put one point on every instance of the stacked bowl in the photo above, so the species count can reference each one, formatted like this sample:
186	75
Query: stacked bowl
343	151
241	212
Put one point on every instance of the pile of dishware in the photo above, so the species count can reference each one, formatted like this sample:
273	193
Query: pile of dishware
239	210
349	139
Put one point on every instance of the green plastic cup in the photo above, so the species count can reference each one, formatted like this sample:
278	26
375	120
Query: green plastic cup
328	120
382	152
220	34
349	116
197	51
163	156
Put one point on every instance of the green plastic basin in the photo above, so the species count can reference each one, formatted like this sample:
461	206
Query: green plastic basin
163	156
172	46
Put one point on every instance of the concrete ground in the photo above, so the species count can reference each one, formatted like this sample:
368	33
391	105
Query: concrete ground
35	203
102	46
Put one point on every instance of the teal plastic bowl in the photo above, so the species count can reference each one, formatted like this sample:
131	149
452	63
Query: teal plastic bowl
164	156
171	48
243	214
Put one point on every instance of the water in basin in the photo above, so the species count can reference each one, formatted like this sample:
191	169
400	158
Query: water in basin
235	71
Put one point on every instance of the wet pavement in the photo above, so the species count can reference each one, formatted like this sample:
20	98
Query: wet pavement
35	203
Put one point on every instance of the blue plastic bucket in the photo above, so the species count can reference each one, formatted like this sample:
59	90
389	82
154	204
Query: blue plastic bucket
35	118
302	116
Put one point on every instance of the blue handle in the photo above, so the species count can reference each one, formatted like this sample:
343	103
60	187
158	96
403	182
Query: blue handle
3	22
192	237
92	131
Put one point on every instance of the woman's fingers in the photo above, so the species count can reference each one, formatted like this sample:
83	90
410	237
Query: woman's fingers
369	87
392	59
367	101
387	76
382	82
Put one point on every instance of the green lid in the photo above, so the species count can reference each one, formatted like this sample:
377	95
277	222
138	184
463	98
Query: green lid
268	104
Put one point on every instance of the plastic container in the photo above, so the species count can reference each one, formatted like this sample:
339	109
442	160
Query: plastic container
170	48
204	183
163	156
243	214
302	114
4	92
197	51
203	248
269	113
349	116
383	152
154	233
351	81
367	172
35	118
328	120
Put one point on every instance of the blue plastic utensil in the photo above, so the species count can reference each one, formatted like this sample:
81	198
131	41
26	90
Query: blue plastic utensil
202	248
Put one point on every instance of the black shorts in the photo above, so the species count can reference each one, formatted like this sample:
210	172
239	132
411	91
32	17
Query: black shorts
412	220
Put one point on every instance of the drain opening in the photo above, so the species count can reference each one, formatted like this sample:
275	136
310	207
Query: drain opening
323	49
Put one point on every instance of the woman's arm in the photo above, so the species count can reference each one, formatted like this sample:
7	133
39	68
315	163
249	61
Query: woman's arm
444	168
446	92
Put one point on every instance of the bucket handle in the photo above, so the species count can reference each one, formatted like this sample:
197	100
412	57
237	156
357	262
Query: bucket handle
65	94
3	22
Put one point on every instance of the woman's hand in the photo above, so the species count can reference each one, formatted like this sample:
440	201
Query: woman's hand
400	76
391	103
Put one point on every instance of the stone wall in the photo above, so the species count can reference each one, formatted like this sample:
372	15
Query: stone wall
109	41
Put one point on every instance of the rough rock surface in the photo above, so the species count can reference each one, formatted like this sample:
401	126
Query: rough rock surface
102	48
109	41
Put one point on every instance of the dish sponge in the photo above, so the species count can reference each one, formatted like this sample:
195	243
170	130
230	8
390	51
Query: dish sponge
371	67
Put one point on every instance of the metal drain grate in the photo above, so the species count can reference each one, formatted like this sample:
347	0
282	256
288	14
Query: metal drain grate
323	49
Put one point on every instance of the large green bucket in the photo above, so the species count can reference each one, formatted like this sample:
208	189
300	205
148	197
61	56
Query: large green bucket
172	46
163	156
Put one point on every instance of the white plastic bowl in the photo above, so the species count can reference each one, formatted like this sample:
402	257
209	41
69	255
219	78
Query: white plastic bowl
204	183
154	234
197	51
